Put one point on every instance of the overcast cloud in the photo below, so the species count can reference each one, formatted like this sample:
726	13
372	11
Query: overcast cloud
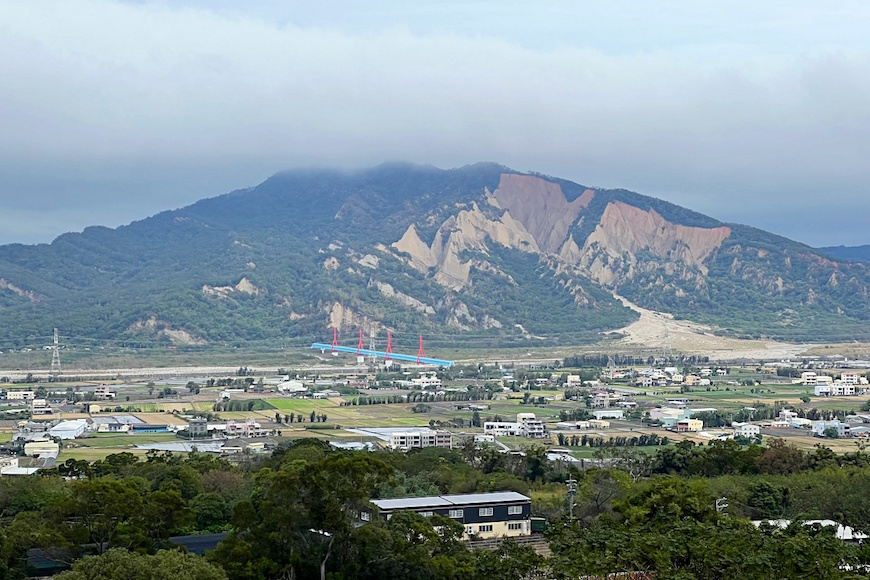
112	111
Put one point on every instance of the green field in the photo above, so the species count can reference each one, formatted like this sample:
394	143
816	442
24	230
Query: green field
105	440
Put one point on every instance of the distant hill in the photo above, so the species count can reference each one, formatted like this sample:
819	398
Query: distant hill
476	255
850	253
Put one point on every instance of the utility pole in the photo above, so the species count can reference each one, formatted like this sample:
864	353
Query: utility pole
55	357
572	490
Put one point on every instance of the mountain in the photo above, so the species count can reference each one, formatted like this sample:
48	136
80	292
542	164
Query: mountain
471	256
848	253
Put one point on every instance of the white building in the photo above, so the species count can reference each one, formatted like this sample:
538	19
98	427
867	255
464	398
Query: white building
420	438
39	407
427	380
502	429
809	378
849	378
36	448
822	390
527	425
69	429
7	463
839	389
248	429
843	429
287	388
747	430
530	425
19	395
609	414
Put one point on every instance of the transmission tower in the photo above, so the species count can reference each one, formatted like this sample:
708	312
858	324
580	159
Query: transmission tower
55	357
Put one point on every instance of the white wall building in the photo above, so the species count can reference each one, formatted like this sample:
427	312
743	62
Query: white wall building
530	425
420	438
69	429
427	380
819	428
19	395
609	414
501	429
746	430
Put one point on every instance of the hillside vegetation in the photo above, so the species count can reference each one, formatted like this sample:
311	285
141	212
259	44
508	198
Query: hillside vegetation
479	255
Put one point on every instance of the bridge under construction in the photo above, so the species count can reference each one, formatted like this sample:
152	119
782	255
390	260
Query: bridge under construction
388	354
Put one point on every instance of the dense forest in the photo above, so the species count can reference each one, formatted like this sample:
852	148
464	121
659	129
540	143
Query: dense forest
292	515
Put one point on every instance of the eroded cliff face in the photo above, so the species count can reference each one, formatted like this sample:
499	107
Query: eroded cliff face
468	230
624	231
533	215
541	207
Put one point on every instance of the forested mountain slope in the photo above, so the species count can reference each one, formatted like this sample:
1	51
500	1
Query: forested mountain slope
476	255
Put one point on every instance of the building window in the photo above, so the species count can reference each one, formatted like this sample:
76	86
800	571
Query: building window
456	513
483	512
486	528
426	514
515	526
514	510
365	516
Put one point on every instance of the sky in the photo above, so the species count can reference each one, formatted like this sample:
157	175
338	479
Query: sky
750	112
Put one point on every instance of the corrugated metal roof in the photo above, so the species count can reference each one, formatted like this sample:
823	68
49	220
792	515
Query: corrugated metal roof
410	503
475	498
443	501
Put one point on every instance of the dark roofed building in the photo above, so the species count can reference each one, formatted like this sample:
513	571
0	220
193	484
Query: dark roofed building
484	515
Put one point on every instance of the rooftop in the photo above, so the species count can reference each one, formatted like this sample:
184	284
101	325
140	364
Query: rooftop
449	500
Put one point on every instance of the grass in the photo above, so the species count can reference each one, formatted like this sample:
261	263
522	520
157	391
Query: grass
106	440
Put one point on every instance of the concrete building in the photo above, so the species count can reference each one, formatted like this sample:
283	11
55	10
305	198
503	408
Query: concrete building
600	400
572	425
840	389
849	378
501	429
198	427
843	429
689	426
822	390
483	515
599	424
420	438
7	463
103	392
746	430
39	407
530	425
248	429
427	380
573	381
609	414
35	448
19	395
809	378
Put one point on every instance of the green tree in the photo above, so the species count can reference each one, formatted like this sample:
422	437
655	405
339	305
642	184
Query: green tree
117	564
